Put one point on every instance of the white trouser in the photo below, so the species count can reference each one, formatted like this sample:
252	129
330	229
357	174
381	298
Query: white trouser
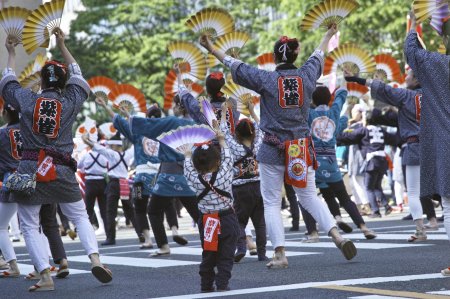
413	191
101	225
29	221
14	224
359	189
446	212
272	179
398	189
7	211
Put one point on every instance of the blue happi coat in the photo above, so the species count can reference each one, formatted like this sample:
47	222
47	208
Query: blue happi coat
325	123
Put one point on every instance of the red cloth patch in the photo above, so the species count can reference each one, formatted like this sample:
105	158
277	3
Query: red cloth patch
290	92
47	117
124	189
211	231
46	169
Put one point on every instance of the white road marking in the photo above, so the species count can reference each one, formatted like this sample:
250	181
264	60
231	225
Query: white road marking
135	262
440	293
26	268
369	245
375	297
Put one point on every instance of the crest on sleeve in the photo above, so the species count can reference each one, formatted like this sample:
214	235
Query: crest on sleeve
290	92
15	140
47	117
151	147
418	99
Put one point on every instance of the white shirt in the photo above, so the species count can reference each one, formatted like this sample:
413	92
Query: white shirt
94	170
121	170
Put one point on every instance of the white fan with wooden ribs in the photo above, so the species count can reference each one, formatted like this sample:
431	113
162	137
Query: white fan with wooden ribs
424	9
33	66
241	94
101	86
41	23
387	67
211	21
327	13
13	19
189	57
230	43
129	97
351	58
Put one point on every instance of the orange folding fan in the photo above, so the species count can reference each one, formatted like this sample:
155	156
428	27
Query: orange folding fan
128	96
266	62
351	58
424	9
230	43
212	21
388	67
328	12
171	87
241	94
356	90
190	58
101	86
41	23
13	19
33	66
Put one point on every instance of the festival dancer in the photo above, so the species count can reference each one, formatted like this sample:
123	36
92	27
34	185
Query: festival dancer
432	71
287	147
147	165
372	140
326	123
170	182
46	128
248	202
11	146
408	103
210	173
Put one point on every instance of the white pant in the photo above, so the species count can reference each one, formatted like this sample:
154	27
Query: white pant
7	211
29	221
14	224
359	190
399	189
446	210
413	185
272	179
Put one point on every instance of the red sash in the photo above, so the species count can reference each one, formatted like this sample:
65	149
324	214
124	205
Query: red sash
124	189
298	159
46	169
211	231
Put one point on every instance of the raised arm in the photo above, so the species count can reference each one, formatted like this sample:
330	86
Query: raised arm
350	137
60	36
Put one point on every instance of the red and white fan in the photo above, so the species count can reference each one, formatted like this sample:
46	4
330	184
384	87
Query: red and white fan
211	21
190	58
328	12
108	129
266	62
101	86
387	67
230	43
129	97
351	58
13	19
356	90
171	87
88	126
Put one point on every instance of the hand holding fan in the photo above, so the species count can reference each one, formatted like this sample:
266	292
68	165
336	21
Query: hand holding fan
213	22
101	86
208	112
327	13
13	19
183	138
350	58
230	43
243	95
387	67
190	58
128	97
40	23
266	62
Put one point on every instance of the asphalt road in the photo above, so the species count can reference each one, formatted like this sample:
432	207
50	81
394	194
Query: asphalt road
387	267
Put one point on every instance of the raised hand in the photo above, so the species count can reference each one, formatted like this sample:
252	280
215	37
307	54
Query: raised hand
10	44
206	42
100	101
332	30
60	36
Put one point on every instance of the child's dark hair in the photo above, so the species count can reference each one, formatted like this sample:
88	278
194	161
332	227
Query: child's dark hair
285	50
54	75
372	117
205	158
245	129
153	112
321	96
214	83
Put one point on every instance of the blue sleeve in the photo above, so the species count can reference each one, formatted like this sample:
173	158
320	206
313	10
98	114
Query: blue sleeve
123	127
249	76
343	123
339	101
193	107
414	53
388	94
16	96
153	127
351	136
313	67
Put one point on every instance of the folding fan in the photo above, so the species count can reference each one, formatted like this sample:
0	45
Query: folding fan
33	66
266	62
101	86
108	129
128	96
183	138
349	57
230	43
356	90
171	87
424	9
212	21
442	49
190	58
208	111
88	126
32	82
241	94
78	146
40	23
437	18
328	12
388	67
13	19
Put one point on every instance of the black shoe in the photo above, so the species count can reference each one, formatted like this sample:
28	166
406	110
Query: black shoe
440	219
294	229
108	242
407	217
345	227
263	258
388	209
375	215
179	240
239	256
141	239
207	290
